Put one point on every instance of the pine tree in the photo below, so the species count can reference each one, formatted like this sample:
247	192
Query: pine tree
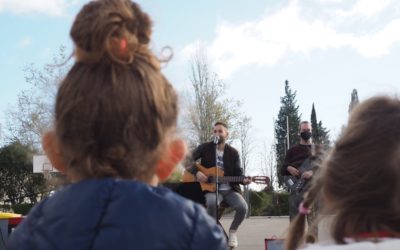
288	115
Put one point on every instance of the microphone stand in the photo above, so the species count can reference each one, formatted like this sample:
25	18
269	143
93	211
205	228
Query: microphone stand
216	140
216	181
216	194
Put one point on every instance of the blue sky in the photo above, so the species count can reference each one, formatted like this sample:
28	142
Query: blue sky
325	48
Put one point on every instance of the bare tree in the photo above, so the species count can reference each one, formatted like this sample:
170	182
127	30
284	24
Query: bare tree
33	113
244	136
206	104
268	164
245	139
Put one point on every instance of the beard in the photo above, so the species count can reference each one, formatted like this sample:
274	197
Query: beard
221	140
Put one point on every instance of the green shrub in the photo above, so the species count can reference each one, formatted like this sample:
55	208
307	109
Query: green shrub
22	208
279	204
258	202
5	208
264	203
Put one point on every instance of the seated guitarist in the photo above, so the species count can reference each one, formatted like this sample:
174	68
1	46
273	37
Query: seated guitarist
295	157
226	158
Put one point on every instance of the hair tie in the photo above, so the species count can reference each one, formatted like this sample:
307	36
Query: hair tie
303	209
123	44
119	50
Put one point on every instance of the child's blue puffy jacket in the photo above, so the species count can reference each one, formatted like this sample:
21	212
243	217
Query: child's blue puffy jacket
117	214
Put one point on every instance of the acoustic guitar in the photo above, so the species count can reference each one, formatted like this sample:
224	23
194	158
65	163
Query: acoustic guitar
211	173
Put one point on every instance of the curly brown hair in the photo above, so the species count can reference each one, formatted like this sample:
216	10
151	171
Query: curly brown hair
360	178
114	109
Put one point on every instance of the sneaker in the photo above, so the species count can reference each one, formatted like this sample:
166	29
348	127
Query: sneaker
233	242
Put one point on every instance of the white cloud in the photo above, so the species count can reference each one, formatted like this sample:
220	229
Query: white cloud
366	8
286	31
47	7
189	50
25	42
329	1
379	43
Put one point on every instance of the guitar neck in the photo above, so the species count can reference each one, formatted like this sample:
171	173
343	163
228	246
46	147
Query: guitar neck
227	179
212	173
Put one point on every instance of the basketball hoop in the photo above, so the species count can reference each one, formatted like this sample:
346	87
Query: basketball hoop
47	168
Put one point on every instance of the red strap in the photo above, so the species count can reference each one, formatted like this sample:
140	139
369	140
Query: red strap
14	221
379	234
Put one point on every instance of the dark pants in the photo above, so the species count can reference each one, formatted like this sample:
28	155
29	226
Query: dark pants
294	202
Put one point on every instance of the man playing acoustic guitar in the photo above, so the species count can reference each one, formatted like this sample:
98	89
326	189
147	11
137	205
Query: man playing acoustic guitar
224	158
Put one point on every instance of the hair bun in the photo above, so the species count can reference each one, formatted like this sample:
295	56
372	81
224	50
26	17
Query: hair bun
117	29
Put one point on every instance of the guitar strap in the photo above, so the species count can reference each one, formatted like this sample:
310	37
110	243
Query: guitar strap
313	152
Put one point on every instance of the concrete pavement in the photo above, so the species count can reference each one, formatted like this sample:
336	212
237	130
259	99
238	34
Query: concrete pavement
255	229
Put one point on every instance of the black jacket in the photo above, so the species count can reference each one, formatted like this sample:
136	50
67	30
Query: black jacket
297	154
206	152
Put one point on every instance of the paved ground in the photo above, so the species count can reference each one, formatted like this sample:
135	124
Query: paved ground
254	230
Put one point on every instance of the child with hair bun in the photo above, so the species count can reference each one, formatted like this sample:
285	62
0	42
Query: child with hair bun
115	138
359	183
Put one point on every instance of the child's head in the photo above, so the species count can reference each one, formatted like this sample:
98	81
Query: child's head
115	112
360	178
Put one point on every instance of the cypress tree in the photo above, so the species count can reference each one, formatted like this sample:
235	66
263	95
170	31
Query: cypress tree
319	132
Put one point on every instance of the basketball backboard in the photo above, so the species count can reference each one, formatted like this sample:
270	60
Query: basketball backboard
42	164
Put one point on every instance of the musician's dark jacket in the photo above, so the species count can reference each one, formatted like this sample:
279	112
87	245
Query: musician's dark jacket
117	214
297	154
207	155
